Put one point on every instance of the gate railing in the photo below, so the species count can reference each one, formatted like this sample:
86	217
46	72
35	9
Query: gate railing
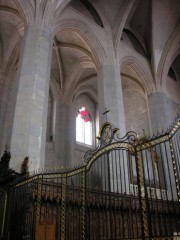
128	188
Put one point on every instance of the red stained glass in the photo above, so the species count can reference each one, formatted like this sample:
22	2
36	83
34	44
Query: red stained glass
85	115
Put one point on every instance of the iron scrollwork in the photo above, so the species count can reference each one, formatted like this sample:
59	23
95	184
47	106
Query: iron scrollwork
108	135
105	137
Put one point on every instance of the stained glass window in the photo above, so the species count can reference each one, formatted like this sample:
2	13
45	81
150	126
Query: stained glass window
83	127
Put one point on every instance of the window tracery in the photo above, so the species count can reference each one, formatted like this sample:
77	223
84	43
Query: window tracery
83	127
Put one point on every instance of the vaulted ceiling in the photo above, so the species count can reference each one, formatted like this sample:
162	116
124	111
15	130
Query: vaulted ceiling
73	61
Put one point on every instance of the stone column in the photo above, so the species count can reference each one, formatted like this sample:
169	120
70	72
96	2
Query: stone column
161	110
4	101
7	112
29	127
111	97
65	134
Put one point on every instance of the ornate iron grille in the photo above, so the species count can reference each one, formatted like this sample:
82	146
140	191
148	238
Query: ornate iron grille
128	188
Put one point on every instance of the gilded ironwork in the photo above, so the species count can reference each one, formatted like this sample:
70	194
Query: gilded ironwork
4	211
162	238
118	192
175	127
106	133
112	146
107	137
175	169
153	142
27	180
83	207
142	195
63	209
38	201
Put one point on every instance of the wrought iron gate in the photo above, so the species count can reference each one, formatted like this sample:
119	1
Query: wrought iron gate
3	207
125	189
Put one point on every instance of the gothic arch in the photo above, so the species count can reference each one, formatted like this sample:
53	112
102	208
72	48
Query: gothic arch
119	27
11	47
11	11
136	85
85	32
13	53
26	10
72	81
86	90
144	79
85	99
88	102
171	50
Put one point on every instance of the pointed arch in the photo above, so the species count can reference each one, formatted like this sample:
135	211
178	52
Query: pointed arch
83	126
144	78
171	50
9	10
85	117
98	51
73	78
89	90
26	9
119	28
93	12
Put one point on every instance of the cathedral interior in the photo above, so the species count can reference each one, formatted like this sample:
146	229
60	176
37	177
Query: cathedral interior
67	67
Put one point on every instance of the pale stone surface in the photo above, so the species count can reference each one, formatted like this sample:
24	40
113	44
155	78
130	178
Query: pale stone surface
134	44
4	101
65	135
161	111
29	128
78	150
111	97
136	113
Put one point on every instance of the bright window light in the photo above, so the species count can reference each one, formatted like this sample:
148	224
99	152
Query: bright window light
83	127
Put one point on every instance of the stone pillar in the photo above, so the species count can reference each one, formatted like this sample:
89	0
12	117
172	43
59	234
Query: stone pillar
65	135
4	102
29	127
161	110
7	112
111	97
